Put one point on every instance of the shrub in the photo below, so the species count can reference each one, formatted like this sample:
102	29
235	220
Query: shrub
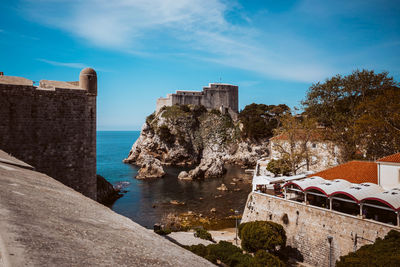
200	250
165	134
203	234
185	108
198	110
262	235
278	166
231	255
223	251
163	231
263	258
384	252
150	118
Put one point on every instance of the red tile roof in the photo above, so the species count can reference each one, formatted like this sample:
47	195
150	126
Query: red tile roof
391	158
352	171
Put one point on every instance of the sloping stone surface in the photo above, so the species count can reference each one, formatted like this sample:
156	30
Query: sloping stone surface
45	223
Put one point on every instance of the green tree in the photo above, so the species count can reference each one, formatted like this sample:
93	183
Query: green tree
295	148
384	252
262	235
260	120
279	166
340	102
378	127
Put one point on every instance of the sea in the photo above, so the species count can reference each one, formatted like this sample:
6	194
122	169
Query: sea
148	201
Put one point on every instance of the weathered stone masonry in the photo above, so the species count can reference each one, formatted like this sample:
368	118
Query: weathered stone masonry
53	128
214	96
309	227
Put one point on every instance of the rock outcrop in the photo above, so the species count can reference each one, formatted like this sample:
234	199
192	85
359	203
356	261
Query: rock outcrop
150	168
106	193
190	135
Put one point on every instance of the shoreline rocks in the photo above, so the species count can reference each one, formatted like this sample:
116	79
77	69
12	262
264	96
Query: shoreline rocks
222	188
106	193
150	168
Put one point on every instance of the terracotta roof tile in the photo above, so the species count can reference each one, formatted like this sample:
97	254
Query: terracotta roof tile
352	171
391	158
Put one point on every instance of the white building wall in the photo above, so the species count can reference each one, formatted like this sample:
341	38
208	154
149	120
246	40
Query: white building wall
389	175
324	154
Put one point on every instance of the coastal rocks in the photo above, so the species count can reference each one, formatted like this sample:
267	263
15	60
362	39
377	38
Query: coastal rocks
106	193
222	188
247	153
177	202
208	168
189	135
184	176
150	168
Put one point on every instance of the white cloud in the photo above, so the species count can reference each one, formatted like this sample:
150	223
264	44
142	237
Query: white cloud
63	64
195	27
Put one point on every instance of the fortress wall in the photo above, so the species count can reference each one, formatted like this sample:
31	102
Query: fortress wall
187	99
309	227
163	102
218	95
212	97
52	130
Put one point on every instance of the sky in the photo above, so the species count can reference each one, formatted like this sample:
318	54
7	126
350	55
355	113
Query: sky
144	49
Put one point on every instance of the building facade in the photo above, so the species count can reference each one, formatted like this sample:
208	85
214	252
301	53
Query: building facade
214	96
323	154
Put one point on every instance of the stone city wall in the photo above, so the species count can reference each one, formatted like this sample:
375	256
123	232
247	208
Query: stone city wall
309	227
53	130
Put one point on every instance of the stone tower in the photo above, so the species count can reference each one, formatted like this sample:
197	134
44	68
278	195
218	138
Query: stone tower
88	80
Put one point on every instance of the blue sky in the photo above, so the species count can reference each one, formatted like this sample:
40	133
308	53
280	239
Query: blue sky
144	49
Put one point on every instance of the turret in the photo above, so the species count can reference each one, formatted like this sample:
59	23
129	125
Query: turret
88	80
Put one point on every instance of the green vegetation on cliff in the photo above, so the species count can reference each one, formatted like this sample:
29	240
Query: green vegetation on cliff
203	125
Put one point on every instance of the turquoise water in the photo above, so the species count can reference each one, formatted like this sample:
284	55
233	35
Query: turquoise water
147	201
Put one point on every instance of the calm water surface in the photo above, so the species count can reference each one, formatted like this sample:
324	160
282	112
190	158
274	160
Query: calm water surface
147	201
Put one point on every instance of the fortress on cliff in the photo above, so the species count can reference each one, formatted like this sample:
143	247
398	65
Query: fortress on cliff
214	96
52	127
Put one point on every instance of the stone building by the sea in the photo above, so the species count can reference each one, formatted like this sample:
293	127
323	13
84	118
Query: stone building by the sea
224	97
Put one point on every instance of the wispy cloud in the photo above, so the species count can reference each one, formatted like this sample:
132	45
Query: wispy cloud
63	64
197	28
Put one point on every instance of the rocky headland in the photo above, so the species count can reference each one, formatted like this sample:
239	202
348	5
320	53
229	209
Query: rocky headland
189	135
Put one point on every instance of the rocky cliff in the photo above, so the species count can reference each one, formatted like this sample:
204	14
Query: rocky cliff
188	135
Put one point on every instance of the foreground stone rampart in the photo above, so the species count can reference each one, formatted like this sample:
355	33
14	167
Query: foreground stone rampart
45	223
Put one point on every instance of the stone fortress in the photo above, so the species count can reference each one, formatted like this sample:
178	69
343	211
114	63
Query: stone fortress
214	96
52	127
